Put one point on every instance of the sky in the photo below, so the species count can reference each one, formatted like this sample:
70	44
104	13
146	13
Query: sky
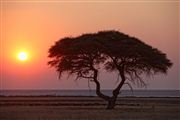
33	26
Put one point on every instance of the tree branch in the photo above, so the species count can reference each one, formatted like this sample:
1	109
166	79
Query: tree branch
121	72
98	87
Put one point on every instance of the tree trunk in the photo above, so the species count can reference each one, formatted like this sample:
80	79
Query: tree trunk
111	100
111	103
98	87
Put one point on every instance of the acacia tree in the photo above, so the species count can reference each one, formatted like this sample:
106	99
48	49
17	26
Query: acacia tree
130	57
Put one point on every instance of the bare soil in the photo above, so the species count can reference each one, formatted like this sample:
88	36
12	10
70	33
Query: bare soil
87	108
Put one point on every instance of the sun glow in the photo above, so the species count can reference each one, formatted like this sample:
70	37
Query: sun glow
22	56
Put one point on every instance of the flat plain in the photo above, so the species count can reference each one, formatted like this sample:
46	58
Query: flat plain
87	108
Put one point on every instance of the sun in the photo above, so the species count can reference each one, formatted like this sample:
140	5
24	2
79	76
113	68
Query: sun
22	56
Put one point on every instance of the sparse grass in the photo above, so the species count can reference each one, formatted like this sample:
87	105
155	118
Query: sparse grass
87	108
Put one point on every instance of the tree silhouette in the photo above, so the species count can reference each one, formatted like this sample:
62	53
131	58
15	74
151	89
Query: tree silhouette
83	55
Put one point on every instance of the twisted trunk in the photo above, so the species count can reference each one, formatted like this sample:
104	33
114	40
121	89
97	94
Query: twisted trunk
111	103
98	87
111	100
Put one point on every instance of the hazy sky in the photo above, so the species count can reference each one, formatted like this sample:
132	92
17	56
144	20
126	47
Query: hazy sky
33	26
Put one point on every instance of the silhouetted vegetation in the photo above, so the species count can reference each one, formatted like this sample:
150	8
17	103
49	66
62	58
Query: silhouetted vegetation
83	55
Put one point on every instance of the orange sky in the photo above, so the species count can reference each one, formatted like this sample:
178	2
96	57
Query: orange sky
34	26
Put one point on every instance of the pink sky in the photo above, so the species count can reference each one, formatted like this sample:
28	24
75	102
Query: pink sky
35	26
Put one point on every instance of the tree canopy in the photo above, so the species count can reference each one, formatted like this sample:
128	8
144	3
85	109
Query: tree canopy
130	57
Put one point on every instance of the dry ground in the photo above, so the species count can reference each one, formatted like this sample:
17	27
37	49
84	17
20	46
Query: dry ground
88	108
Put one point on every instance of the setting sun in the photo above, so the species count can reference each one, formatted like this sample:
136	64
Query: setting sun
22	56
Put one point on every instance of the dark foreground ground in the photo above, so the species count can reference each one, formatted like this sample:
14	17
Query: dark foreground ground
88	108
